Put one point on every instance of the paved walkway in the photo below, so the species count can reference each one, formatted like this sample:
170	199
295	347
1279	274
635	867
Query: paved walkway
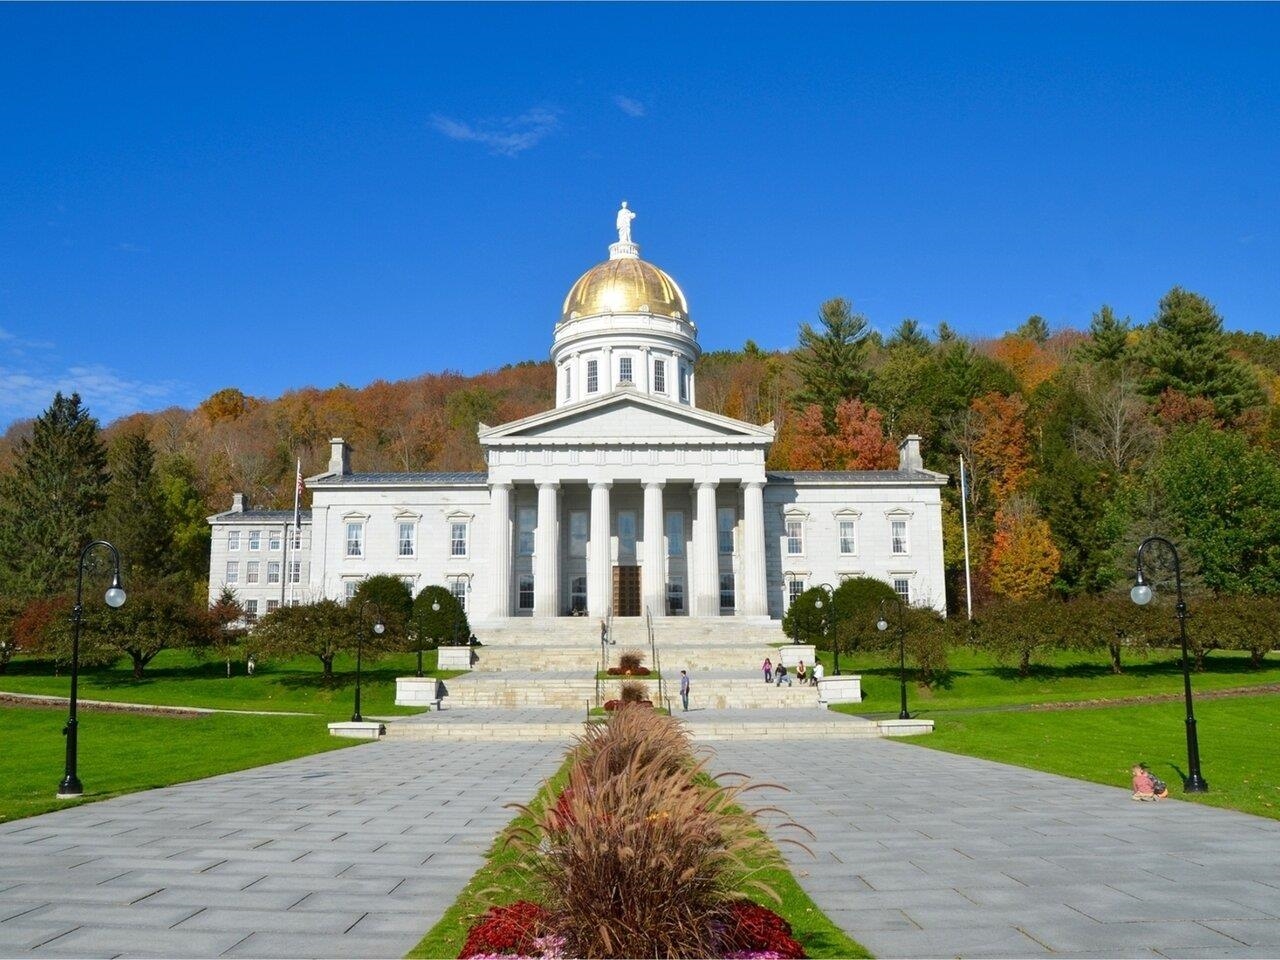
353	853
927	854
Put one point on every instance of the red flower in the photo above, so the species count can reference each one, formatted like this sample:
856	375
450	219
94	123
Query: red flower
509	929
751	928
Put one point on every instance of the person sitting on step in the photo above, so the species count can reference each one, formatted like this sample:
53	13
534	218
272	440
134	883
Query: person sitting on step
801	675
780	675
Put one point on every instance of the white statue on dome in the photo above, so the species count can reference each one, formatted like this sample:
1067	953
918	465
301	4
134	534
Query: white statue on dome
625	217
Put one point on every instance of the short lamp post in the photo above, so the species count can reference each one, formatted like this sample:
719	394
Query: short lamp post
901	623
70	786
378	628
835	637
1141	594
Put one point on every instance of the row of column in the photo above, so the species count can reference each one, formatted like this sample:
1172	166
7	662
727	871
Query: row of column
705	585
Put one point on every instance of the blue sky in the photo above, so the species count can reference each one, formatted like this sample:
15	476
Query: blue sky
201	196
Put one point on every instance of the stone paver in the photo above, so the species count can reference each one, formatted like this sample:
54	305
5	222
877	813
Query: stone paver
927	854
354	853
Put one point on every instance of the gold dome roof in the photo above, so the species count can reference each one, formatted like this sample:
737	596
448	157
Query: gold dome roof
625	284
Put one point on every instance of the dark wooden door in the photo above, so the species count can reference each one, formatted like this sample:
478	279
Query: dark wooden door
626	591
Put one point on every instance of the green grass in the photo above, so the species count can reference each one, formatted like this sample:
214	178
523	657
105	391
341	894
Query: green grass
179	678
977	681
606	675
122	752
602	712
1238	738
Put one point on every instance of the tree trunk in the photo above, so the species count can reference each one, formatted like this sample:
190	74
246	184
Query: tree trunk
1115	658
1256	656
328	666
138	663
1199	660
1024	665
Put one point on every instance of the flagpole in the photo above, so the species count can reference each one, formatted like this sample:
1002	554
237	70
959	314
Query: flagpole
297	531
964	521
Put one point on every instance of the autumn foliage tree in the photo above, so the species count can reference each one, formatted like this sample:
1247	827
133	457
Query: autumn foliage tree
1023	559
859	441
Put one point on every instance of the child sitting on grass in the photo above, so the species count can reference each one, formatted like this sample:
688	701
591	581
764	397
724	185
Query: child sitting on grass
1146	786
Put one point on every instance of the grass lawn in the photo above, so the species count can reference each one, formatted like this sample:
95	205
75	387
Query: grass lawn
122	752
606	675
179	678
1238	738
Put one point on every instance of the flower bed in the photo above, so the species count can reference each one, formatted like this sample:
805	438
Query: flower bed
629	672
611	705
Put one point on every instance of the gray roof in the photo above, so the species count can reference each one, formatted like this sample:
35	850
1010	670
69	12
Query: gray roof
262	516
406	478
855	476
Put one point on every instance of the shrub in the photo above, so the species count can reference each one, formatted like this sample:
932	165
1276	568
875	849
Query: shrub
1017	629
511	929
1251	624
429	627
857	602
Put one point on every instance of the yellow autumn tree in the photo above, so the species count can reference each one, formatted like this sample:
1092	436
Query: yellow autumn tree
1023	559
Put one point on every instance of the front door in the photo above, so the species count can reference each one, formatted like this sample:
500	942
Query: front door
626	591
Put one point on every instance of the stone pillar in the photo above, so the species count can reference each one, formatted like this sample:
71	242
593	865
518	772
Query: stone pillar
644	376
653	575
546	570
606	370
754	589
599	555
500	518
706	569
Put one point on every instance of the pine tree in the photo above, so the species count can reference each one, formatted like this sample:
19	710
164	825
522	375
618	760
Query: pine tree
1108	337
50	503
135	518
909	335
832	362
1034	328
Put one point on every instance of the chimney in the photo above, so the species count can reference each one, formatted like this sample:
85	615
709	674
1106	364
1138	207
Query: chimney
237	503
909	453
339	457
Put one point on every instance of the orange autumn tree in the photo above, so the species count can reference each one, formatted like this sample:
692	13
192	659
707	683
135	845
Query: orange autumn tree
1023	559
1001	441
859	441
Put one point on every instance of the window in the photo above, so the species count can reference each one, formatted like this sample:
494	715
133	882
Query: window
794	589
407	538
295	571
459	590
250	611
684	385
525	598
848	542
457	539
726	517
624	369
350	587
795	538
675	533
593	376
233	571
578	520
255	539
568	382
273	606
233	540
626	536
355	539
251	572
659	376
526	522
408	582
898	530
273	571
273	540
578	595
726	591
297	538
902	587
675	596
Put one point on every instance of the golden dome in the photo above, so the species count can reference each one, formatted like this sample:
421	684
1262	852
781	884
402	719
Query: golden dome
625	284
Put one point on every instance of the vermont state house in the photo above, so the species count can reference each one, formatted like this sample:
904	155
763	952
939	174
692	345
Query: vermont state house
624	498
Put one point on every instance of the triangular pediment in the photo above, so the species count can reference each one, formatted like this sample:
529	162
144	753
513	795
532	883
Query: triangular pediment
624	416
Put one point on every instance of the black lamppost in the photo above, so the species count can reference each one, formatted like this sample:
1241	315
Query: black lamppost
835	637
1141	595
378	627
114	597
882	625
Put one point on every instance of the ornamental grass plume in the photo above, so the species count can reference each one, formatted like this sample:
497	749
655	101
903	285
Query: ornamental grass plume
633	692
631	661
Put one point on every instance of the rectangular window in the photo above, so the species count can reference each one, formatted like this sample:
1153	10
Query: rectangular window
250	611
251	572
407	538
626	536
578	595
726	517
273	571
273	540
525	599
675	533
233	540
459	590
624	369
408	582
233	571
899	531
355	539
578	521
684	385
295	571
255	539
457	539
273	606
726	591
848	542
794	589
795	538
902	587
568	382
526	523
297	538
675	596
349	588
659	376
593	376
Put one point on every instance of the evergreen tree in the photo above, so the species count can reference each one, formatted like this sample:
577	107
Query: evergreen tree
1108	337
1187	353
908	335
50	502
186	512
832	362
135	519
1034	328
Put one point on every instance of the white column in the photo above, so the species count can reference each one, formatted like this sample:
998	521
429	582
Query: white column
599	555
644	379
606	370
754	589
500	518
653	578
546	576
706	571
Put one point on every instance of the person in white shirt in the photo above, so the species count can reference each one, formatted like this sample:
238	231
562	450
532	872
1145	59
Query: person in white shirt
815	674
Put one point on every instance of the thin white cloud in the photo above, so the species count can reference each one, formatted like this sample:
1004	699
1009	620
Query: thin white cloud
505	136
26	392
630	106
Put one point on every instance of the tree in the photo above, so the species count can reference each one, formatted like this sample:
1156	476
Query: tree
805	621
857	608
322	630
1016	630
1108	338
857	443
1187	352
1115	429
908	335
395	601
50	503
1035	329
446	625
831	362
135	519
1251	624
186	513
1023	559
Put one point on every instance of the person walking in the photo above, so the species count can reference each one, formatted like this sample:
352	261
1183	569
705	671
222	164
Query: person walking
684	689
781	675
251	665
767	667
816	674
